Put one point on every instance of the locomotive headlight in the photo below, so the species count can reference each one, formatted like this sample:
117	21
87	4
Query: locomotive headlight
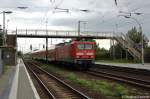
79	53
78	56
89	53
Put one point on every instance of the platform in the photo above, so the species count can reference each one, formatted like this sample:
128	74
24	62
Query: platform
6	82
146	66
22	86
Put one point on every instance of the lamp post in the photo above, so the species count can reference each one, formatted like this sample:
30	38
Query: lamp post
4	35
46	41
7	27
5	12
142	41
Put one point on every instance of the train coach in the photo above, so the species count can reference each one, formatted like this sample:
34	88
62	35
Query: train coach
78	54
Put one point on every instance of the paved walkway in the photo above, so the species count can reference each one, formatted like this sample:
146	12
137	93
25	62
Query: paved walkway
6	82
22	87
136	66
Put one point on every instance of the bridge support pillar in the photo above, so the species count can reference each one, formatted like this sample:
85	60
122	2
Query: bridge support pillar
46	49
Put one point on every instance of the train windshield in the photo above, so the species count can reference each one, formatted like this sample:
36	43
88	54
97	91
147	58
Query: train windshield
88	46
84	46
80	46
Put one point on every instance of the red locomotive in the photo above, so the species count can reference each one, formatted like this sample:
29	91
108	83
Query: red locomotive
78	53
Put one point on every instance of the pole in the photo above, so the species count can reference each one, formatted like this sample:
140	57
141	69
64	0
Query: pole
142	38
121	54
110	47
46	41
7	29
3	21
46	49
3	27
114	56
79	28
126	54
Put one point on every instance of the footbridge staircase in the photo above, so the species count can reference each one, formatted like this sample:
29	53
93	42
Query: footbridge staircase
129	45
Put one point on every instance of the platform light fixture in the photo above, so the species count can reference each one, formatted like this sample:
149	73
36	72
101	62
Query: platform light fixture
4	35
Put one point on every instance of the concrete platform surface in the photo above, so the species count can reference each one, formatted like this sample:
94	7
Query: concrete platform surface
6	82
22	87
146	66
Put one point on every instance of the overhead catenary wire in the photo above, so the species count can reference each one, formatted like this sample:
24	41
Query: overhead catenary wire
52	7
143	6
132	10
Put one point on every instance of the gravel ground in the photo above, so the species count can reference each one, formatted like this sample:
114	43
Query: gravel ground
92	94
133	91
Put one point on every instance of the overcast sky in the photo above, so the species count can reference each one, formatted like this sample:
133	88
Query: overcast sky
102	14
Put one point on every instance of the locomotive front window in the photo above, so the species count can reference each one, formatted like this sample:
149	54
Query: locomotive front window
88	46
84	46
80	46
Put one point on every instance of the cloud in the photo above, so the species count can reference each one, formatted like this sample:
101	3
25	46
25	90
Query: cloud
102	15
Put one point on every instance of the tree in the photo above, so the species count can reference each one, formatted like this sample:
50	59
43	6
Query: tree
102	53
136	36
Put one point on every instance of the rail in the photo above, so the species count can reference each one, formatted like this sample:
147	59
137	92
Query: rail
50	95
78	93
127	79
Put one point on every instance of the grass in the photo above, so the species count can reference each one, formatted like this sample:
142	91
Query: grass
111	90
105	88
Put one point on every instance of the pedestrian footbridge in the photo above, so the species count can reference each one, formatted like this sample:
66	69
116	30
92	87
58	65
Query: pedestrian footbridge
121	38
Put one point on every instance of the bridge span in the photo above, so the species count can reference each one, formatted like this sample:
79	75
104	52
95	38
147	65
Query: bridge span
31	33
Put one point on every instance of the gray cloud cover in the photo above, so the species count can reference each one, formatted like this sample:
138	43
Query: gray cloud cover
102	15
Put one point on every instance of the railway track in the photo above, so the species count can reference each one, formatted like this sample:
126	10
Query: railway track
54	87
145	84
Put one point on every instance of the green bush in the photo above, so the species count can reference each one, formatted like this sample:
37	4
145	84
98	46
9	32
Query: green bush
102	53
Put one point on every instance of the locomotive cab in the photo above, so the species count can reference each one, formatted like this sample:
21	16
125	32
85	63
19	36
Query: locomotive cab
84	52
